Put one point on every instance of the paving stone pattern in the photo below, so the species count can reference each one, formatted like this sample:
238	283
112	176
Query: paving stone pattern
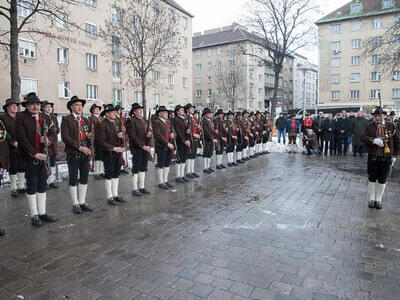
282	226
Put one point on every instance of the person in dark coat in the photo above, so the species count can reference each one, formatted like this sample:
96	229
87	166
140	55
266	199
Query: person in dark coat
382	144
97	160
280	125
343	130
31	127
181	125
75	131
17	165
208	139
4	158
318	129
358	125
310	141
329	134
293	129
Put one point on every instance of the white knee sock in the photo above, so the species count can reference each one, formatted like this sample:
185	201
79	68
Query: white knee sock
205	162
32	203
166	173
73	193
41	203
239	155
379	190
52	177
142	176
182	170
135	182
107	184
82	189
160	173
208	162
13	182
21	180
178	170
191	166
188	170
114	186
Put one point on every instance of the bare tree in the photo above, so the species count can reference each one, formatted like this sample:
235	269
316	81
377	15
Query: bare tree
283	27
230	76
386	49
144	35
53	10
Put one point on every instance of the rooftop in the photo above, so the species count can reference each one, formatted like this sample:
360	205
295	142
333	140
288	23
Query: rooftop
178	7
366	8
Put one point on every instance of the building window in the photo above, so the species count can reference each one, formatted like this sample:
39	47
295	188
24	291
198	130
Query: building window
231	63
25	8
355	60
396	93
116	96
115	45
219	91
64	90
377	23
396	38
171	79
92	3
388	4
136	74
156	76
376	59
115	18
91	91
198	80
137	97
198	67
209	65
209	79
355	77
171	101
356	26
356	8
209	92
219	51
170	14
335	62
355	94
156	99
116	70
209	52
335	78
376	41
185	82
336	28
335	46
198	53
397	20
199	93
219	64
184	22
91	61
62	21
90	29
356	44
335	95
186	63
62	55
28	85
27	48
375	76
375	93
185	42
396	75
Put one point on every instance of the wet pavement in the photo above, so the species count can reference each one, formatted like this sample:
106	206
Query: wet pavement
282	226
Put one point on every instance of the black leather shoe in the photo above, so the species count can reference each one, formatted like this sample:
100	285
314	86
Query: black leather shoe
240	161
211	170
53	185
137	193
86	207
119	199
378	205
195	175
163	186
2	232
144	191
223	167
190	176
48	187
230	165
219	167
207	171
185	179
234	164
98	177
14	194
35	221
77	209
371	204
21	191
111	201
170	186
179	180
48	218
124	171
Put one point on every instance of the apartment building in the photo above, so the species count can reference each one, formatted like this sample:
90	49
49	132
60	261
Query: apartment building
306	83
78	62
347	76
229	46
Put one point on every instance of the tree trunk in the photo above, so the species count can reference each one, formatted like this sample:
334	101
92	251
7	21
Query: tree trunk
144	102
275	95
14	64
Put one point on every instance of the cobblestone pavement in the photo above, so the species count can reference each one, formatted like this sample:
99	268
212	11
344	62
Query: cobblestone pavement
282	226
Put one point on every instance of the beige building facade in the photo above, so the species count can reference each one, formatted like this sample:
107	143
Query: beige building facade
347	76
78	62
220	47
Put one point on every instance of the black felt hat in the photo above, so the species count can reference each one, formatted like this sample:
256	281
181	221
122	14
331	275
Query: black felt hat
161	109
378	111
93	107
206	111
9	102
108	108
30	98
73	100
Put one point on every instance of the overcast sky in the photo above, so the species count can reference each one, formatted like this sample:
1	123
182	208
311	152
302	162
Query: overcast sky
217	13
